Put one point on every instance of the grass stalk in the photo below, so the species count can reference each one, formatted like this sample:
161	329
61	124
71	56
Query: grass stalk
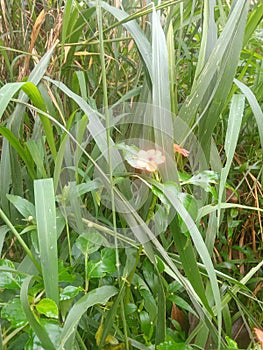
20	240
108	128
107	121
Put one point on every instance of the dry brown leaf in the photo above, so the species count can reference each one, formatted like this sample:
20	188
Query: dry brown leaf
179	316
36	29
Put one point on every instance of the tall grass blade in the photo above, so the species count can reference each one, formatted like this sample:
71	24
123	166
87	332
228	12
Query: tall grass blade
133	28
162	120
23	152
35	77
25	207
254	20
10	172
232	134
255	106
188	259
3	231
201	248
172	68
209	36
36	151
224	78
33	93
208	209
94	126
219	70
47	235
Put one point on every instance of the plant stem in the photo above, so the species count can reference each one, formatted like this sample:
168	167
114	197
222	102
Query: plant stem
20	240
107	119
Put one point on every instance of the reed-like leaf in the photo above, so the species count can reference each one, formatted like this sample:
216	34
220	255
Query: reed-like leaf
10	171
255	106
47	235
161	116
225	74
232	134
139	37
219	70
6	93
25	207
94	126
22	152
35	96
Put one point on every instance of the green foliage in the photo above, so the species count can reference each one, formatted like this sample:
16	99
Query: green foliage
98	250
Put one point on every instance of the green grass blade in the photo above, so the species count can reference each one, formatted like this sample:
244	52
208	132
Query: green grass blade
25	207
255	106
59	162
31	318
161	312
94	126
172	68
6	93
23	153
47	235
35	96
35	77
139	37
36	150
66	21
254	20
221	64
209	36
232	134
188	259
162	118
200	246
3	231
224	76
97	296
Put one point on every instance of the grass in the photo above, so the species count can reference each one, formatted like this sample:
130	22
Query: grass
98	252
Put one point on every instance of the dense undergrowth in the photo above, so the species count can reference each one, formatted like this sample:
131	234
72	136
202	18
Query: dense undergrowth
131	174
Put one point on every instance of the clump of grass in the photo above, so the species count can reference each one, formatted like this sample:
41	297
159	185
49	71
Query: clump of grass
109	238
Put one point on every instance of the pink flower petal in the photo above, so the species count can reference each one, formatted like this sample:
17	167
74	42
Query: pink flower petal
149	160
180	150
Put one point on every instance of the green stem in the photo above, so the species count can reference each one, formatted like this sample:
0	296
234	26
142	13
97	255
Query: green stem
86	273
107	120
20	240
